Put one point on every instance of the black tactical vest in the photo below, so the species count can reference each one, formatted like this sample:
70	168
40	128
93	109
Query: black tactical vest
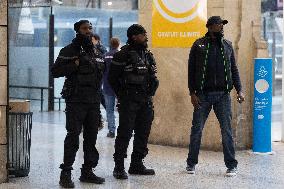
84	85
136	72
90	70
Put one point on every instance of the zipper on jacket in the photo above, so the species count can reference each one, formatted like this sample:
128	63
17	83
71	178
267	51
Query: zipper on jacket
215	77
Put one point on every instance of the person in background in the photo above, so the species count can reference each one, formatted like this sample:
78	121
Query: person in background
107	90
99	51
98	44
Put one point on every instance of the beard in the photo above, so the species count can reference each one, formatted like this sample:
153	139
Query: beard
145	44
136	45
84	40
219	34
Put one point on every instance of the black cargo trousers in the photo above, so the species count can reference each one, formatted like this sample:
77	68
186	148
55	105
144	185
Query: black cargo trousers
78	116
137	116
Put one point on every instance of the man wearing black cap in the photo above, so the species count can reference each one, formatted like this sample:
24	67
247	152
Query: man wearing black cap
132	76
212	74
83	71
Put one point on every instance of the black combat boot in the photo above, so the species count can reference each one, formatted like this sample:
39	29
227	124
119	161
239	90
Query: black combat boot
119	171
65	179
138	168
87	175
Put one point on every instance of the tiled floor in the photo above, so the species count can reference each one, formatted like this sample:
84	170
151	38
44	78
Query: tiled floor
255	171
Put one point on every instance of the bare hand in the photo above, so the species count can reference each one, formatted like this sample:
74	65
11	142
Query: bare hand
240	97
195	101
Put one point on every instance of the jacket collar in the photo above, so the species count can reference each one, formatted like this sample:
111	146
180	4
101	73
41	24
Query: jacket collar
208	38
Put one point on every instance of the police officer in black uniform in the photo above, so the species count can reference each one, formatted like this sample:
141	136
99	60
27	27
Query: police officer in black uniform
133	78
83	70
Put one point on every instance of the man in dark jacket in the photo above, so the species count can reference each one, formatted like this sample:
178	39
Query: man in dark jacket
212	74
109	95
83	71
132	76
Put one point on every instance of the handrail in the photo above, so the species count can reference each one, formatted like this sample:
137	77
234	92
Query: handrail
33	87
29	87
59	102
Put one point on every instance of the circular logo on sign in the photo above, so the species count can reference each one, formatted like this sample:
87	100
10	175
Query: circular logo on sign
178	11
261	85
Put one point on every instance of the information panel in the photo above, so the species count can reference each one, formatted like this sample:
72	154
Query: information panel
262	105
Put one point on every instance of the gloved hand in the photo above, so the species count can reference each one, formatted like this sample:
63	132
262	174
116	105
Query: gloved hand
154	84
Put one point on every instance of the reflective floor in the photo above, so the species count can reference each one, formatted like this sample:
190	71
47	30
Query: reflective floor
276	118
255	171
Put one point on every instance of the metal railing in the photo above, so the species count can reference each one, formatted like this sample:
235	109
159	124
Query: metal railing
32	87
59	102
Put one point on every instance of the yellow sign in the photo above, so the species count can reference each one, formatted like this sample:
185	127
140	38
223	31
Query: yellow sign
178	23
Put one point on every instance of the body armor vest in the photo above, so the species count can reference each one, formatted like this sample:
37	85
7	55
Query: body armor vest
85	83
136	70
139	76
90	70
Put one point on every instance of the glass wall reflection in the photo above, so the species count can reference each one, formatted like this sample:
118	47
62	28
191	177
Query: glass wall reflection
29	43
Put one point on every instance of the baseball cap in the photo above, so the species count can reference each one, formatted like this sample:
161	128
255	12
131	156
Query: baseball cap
216	20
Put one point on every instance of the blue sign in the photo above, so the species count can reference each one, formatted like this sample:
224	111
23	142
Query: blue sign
262	105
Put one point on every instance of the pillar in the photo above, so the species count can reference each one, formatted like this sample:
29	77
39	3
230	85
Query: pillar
173	109
3	90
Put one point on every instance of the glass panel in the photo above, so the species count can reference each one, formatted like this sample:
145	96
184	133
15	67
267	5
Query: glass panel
272	17
28	53
103	4
65	17
28	3
28	41
272	25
